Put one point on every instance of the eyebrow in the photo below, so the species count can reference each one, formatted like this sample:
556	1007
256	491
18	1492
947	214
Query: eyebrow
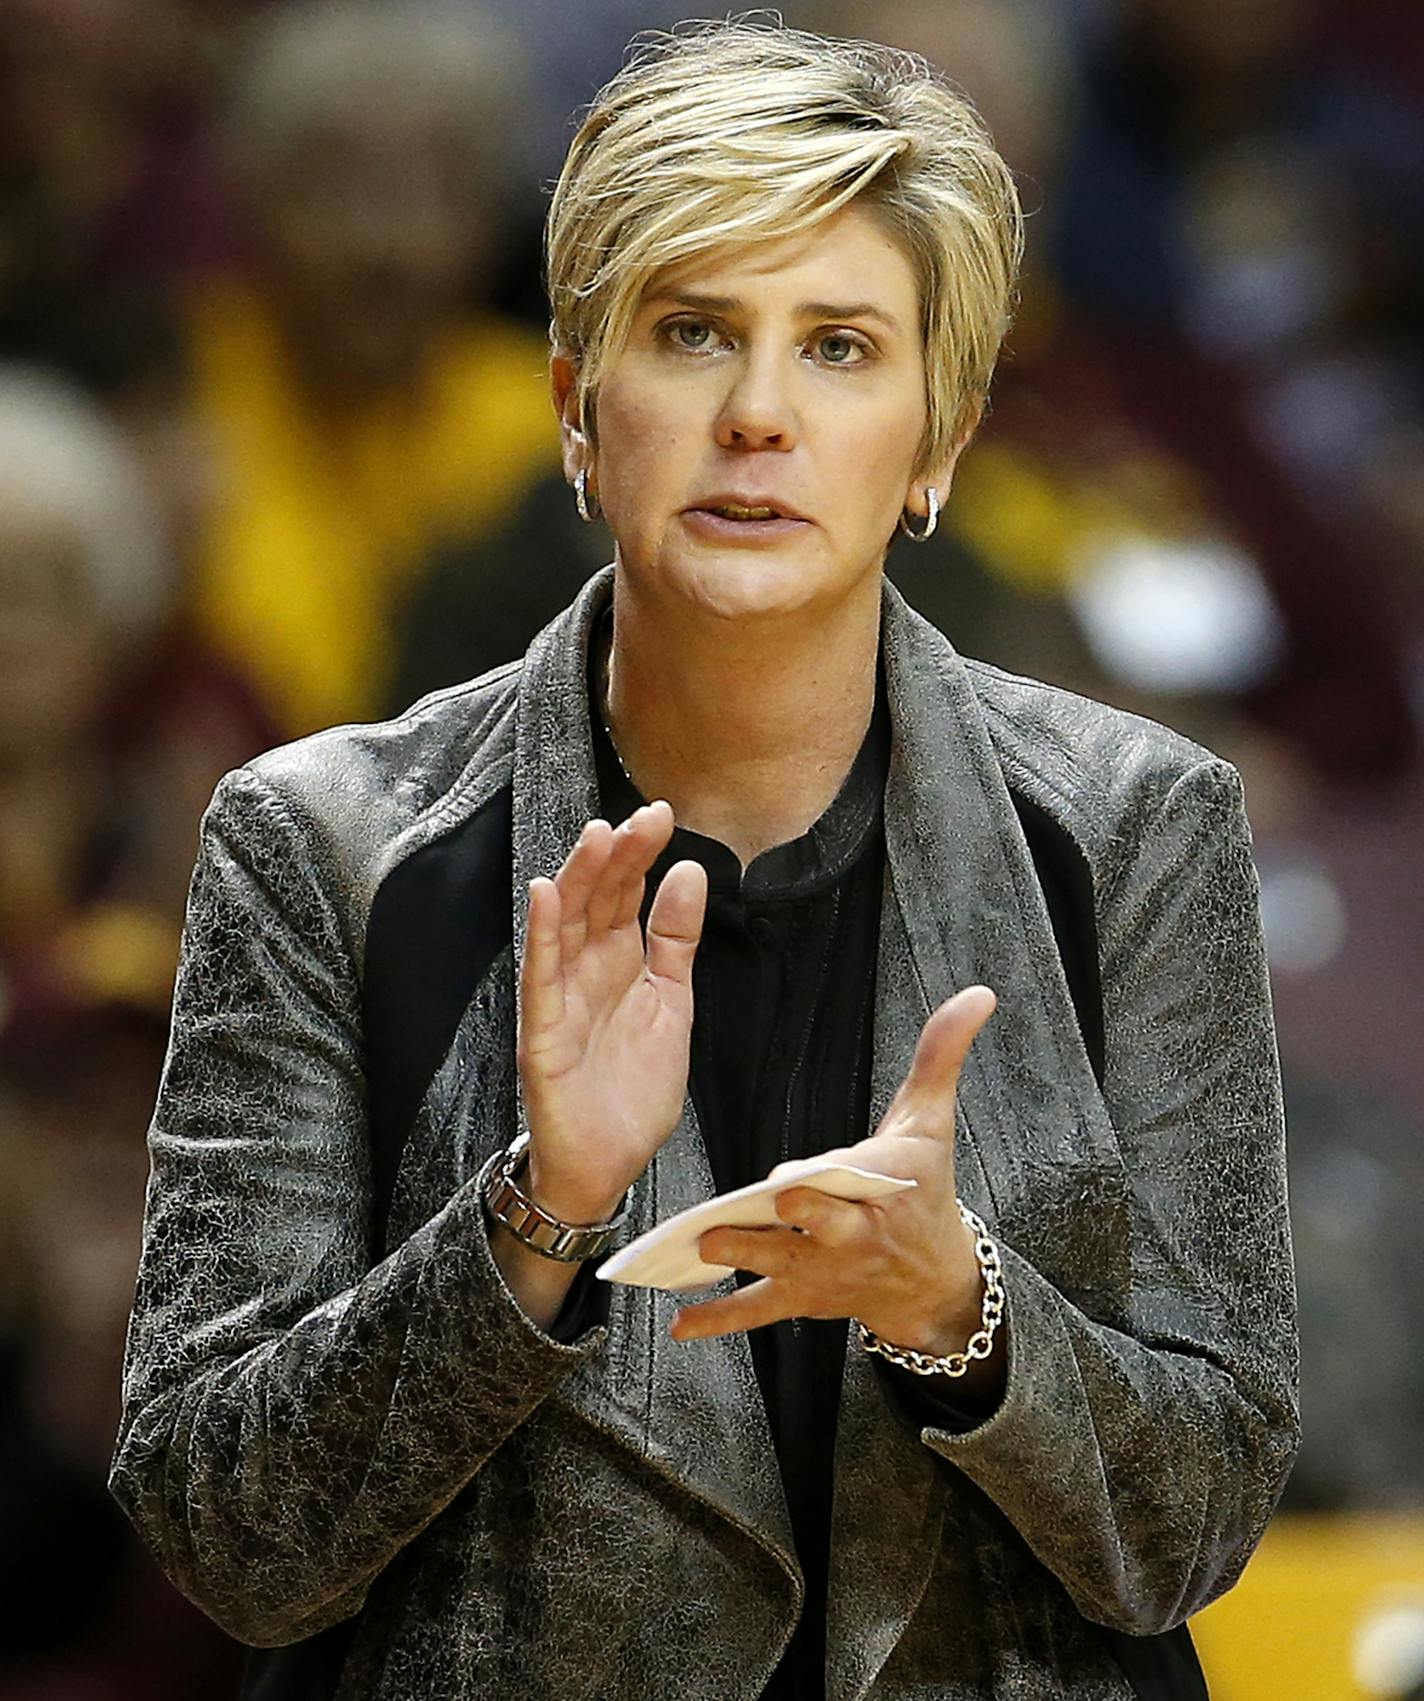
806	310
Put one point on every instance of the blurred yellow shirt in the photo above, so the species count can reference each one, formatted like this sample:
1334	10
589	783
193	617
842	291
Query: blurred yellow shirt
322	523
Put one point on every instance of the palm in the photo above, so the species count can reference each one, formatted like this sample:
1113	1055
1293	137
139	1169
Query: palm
605	1022
617	1062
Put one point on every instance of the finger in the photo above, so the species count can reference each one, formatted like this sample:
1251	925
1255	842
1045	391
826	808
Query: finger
655	825
675	922
763	1251
635	846
751	1307
541	978
630	901
927	1094
642	839
576	881
831	1223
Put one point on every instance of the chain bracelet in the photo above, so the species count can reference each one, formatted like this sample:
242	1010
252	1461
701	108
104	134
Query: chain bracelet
981	1342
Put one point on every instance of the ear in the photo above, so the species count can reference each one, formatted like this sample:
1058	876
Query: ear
573	441
941	475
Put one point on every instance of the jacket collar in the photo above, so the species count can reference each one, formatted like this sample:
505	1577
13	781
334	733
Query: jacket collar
964	905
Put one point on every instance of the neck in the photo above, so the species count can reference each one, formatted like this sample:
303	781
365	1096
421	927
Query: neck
748	732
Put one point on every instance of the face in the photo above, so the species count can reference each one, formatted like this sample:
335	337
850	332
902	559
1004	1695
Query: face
758	432
372	238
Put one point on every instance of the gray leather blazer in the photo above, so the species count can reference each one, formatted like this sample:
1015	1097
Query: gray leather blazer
311	1430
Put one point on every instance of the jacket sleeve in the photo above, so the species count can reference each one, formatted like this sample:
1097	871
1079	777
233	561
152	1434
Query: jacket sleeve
292	1417
1141	1464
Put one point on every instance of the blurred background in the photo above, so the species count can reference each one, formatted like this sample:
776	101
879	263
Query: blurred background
276	452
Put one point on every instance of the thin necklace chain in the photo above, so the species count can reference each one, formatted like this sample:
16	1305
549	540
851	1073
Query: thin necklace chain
605	692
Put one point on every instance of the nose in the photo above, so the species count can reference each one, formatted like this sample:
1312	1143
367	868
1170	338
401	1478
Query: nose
757	412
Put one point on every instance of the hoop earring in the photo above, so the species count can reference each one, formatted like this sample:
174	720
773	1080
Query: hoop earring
926	531
587	509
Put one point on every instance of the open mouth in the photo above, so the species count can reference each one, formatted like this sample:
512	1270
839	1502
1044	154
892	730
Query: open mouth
748	513
722	520
735	511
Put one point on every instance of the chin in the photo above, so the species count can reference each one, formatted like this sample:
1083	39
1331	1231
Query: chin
745	585
735	598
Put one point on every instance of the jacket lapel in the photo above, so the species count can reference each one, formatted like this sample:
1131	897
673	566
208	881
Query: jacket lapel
962	905
968	907
694	1412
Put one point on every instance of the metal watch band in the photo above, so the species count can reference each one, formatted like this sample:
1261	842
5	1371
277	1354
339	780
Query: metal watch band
529	1223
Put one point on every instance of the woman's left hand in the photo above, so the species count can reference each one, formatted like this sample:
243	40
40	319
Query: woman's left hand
904	1265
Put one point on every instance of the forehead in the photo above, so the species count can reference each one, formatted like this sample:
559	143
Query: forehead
849	257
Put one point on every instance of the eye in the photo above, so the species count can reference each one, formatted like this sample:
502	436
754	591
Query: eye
694	335
840	348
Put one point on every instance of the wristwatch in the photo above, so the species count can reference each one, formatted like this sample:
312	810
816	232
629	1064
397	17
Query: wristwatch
530	1224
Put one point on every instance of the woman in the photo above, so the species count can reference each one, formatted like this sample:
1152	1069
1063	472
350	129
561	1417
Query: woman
364	1399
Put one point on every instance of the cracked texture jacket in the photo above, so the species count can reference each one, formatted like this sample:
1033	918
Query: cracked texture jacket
315	1428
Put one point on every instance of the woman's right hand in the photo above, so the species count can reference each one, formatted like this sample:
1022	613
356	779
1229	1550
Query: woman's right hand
605	1020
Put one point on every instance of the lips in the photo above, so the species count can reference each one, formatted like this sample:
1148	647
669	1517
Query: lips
746	508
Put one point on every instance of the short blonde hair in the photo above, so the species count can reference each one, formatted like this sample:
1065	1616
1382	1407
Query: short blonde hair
732	133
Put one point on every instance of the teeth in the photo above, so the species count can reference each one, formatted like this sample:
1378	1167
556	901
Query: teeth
735	511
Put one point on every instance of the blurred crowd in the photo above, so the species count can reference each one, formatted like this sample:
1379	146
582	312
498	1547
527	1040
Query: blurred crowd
276	451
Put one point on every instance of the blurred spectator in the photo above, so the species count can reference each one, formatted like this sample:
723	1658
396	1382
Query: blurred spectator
1241	213
574	48
361	412
1355	1174
107	177
1344	921
112	731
